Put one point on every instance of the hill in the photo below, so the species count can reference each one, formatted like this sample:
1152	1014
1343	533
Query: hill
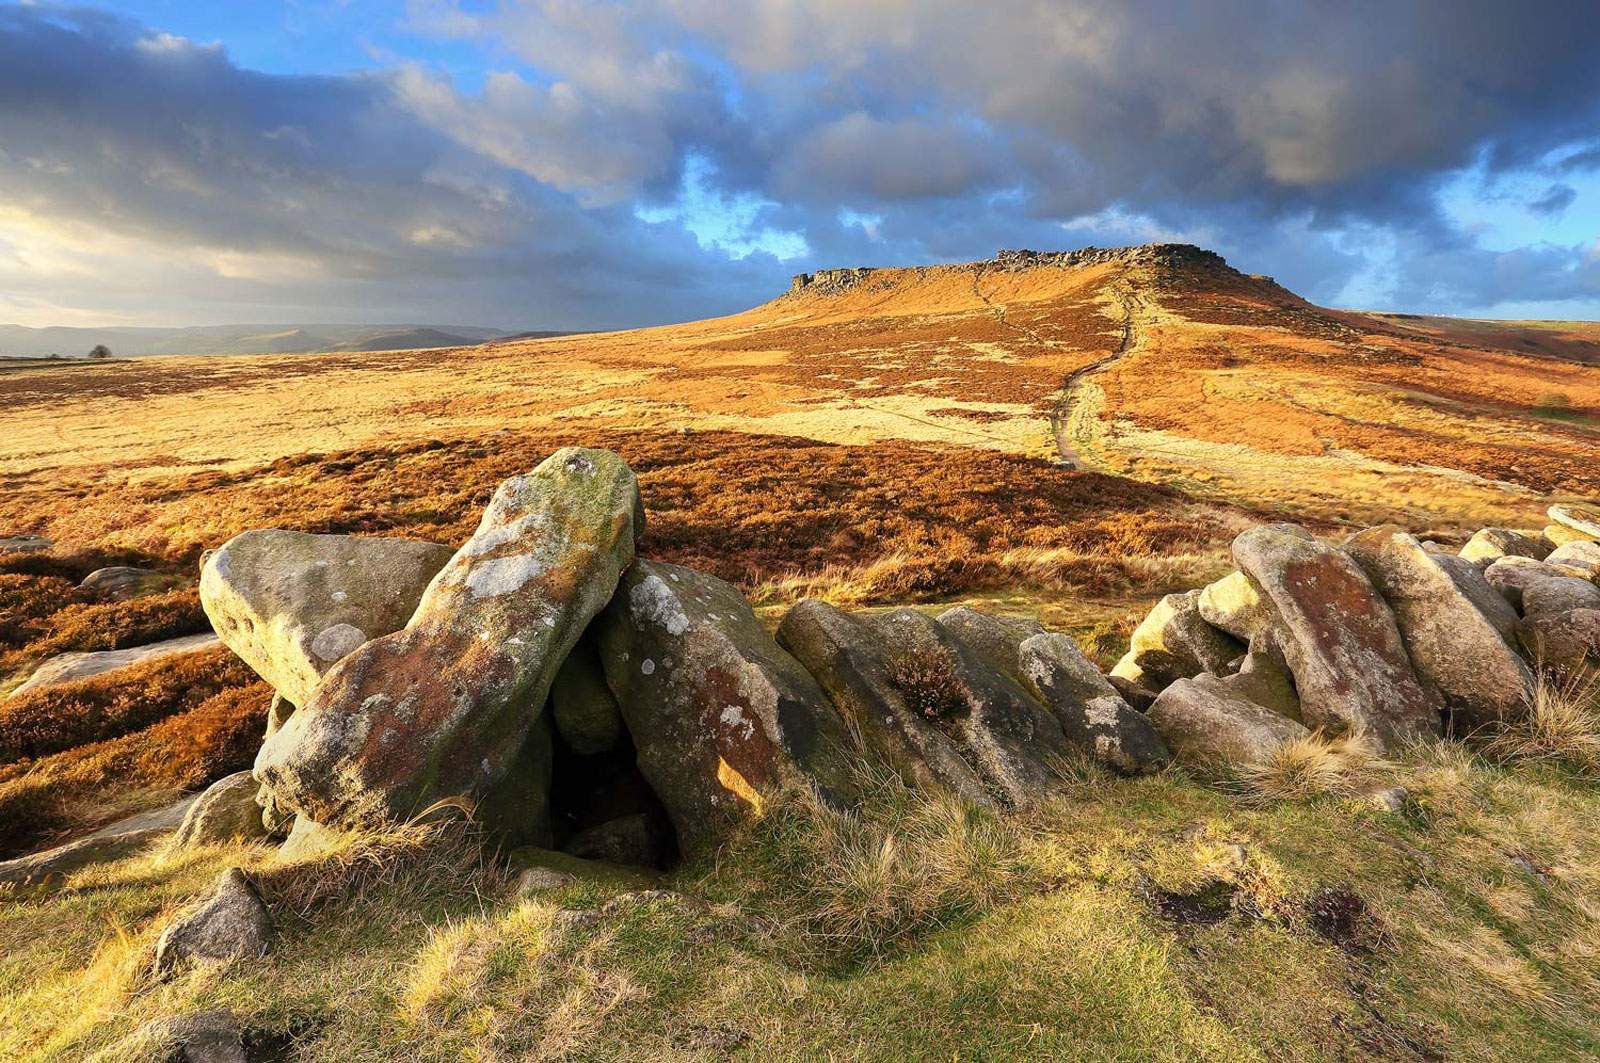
1065	437
18	341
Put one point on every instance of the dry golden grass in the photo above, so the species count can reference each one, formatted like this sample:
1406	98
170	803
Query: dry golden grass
1317	766
1561	726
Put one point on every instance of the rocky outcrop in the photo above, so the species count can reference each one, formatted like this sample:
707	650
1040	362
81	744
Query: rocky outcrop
1175	642
120	582
1491	544
1452	644
121	839
71	667
1339	638
232	924
225	812
1207	723
292	605
721	716
445	707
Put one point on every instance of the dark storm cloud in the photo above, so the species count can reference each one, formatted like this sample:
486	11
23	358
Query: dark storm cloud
1290	135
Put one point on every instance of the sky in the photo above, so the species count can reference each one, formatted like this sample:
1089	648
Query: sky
580	163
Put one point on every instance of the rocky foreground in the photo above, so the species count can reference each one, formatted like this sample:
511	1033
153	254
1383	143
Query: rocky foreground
572	696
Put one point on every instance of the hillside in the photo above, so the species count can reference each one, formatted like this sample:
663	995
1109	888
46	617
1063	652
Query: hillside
18	341
1056	437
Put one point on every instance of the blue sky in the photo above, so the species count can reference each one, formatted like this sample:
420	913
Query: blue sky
576	163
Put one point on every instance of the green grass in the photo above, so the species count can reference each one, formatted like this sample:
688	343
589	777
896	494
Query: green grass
1150	918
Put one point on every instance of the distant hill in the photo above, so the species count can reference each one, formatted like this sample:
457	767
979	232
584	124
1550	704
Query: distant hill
18	341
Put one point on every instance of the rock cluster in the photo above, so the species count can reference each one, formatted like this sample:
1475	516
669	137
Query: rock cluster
625	710
1382	634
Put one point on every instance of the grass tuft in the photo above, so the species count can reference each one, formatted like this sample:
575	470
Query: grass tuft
1316	766
1561	726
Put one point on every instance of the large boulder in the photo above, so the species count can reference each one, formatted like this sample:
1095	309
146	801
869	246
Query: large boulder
292	604
720	715
225	812
231	924
1491	544
1012	741
1558	594
1510	576
1584	521
1473	585
1568	642
1338	637
1236	604
582	708
850	662
1174	642
1206	722
1452	645
1264	678
1092	713
88	664
1582	557
447	707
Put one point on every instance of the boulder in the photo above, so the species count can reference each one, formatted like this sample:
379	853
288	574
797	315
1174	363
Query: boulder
1051	667
1206	722
1011	740
1174	642
850	662
1491	544
582	708
544	869
1136	695
1340	640
24	544
1557	535
1558	594
292	604
120	582
231	924
1236	604
114	842
308	840
225	812
71	667
1484	596
720	715
1581	556
1583	520
1264	678
637	840
1568	643
1452	645
451	705
1511	575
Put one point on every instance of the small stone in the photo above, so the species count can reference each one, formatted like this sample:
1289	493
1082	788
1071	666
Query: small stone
24	544
1388	798
232	924
225	812
120	582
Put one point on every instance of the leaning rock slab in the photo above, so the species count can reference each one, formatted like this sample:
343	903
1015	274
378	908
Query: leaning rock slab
849	661
1009	738
71	667
1206	722
232	924
1491	544
120	839
445	707
292	604
1451	643
1175	642
720	715
1583	520
1484	596
1581	556
1340	640
225	812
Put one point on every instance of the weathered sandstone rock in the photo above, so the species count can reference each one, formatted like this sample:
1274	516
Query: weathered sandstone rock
1173	642
1581	556
232	924
720	715
848	659
1558	535
1051	667
120	839
1510	576
1566	642
71	667
1264	678
445	707
308	840
120	582
225	812
293	604
1451	643
1484	596
1340	640
1010	739
1236	604
1491	544
1558	594
636	840
1584	520
24	544
1206	722
582	708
